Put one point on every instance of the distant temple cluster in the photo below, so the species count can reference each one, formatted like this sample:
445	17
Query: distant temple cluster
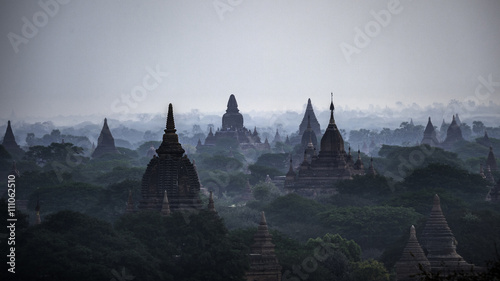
453	134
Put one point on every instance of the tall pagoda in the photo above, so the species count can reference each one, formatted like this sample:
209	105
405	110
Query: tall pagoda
105	142
440	243
317	173
430	135
453	135
9	142
264	264
170	174
412	261
309	116
491	161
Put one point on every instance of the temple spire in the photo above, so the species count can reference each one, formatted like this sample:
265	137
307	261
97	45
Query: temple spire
211	204
165	208
332	108
412	261
170	144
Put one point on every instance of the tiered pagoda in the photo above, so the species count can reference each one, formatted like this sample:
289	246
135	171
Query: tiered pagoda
264	265
440	244
430	135
9	142
413	260
105	142
317	173
170	171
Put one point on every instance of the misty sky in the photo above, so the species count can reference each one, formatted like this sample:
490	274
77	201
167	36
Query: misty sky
117	57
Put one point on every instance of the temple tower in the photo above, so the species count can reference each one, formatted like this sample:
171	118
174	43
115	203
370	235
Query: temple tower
232	119
172	172
277	137
211	203
440	243
309	114
9	142
264	265
453	135
318	172
309	135
491	161
371	169
408	267
430	135
105	142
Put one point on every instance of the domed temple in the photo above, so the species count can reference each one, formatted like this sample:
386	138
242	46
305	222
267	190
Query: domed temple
318	172
232	127
170	175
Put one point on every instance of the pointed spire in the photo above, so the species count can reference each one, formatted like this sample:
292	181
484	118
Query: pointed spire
170	144
211	204
9	141
290	173
170	120
165	208
263	219
371	169
332	108
440	242
412	259
105	142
